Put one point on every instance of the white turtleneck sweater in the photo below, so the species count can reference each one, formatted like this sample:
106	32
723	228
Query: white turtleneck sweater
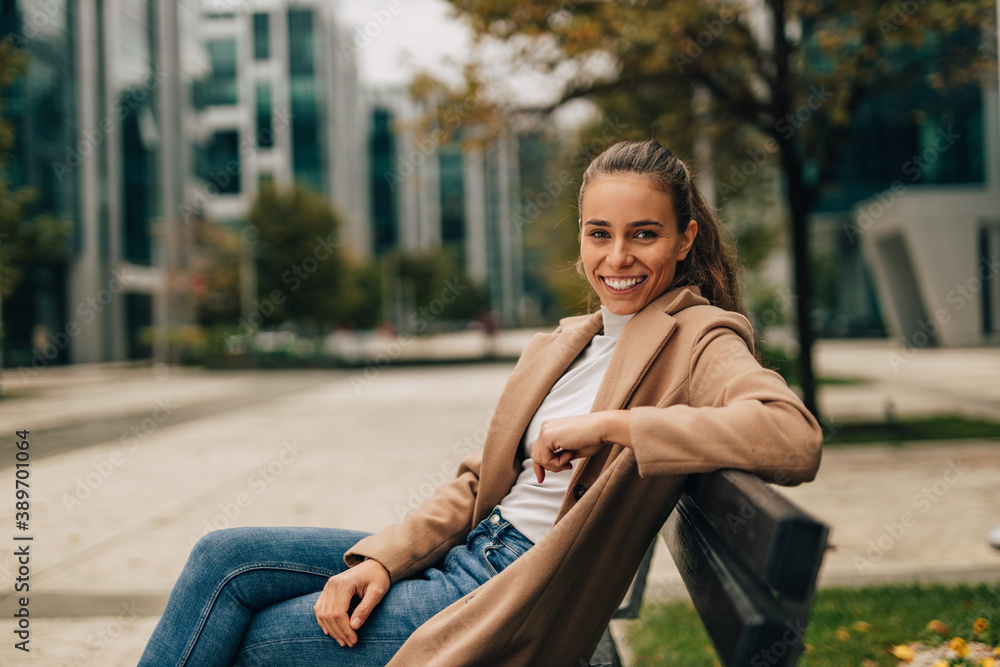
532	507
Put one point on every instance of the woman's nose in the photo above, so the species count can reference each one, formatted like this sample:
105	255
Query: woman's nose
620	254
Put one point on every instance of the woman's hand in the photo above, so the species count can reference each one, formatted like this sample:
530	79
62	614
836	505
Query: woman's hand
369	581
567	438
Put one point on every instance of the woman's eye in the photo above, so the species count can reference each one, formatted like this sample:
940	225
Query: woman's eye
645	234
599	234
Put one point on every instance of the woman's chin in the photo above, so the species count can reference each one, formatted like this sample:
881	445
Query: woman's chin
622	306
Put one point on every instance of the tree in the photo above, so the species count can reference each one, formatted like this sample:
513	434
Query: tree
24	236
786	75
432	289
300	265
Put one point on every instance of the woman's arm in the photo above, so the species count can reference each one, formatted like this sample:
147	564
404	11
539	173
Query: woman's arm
737	415
426	533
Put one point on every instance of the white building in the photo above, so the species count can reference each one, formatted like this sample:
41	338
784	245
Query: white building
934	250
281	103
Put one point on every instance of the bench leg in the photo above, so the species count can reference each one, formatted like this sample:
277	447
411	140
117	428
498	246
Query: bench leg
606	654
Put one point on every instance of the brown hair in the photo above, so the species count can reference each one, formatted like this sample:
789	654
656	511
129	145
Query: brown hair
711	264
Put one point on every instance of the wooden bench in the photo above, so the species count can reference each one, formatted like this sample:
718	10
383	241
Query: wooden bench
749	560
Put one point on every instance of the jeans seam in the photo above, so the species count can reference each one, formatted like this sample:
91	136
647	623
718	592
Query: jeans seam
207	609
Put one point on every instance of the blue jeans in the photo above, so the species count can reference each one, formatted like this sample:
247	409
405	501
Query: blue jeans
246	597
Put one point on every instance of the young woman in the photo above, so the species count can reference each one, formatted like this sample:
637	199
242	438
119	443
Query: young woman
523	558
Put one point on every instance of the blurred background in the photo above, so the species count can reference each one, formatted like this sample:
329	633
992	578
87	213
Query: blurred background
242	243
170	167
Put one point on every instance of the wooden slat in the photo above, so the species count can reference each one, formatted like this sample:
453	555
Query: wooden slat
741	618
771	536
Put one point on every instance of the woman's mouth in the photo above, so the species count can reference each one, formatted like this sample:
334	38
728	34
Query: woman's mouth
622	285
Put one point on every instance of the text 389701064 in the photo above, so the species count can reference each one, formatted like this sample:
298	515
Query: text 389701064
22	542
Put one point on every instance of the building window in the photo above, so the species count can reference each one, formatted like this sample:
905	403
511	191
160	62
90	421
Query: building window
300	41
382	148
221	162
265	128
261	36
220	89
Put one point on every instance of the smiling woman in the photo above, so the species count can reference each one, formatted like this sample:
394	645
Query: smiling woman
523	558
639	223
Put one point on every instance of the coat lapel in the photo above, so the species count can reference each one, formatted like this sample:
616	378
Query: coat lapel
543	362
642	339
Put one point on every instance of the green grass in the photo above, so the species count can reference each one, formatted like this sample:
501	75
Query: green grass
672	633
788	367
944	427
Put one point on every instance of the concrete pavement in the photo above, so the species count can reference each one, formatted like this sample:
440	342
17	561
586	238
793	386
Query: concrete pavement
164	456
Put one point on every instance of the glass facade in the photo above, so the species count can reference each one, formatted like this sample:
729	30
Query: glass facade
220	87
905	134
261	36
220	162
45	154
382	151
265	114
134	107
307	155
451	169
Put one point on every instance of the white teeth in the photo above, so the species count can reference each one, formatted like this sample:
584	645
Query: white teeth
623	284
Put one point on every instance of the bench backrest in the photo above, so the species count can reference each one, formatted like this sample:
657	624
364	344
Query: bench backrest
749	559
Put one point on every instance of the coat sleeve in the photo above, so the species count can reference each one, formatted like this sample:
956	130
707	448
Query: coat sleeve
427	532
737	414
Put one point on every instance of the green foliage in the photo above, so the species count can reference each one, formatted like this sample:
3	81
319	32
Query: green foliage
873	618
215	269
431	288
942	427
298	256
362	295
24	237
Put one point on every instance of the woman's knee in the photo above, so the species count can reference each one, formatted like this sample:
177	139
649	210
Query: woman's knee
223	546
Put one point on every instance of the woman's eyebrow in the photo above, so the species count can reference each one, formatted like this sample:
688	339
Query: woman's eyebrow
637	223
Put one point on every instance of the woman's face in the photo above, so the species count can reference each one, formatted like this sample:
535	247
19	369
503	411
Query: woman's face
629	241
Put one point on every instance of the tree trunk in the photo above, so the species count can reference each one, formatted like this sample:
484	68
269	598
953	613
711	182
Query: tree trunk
798	207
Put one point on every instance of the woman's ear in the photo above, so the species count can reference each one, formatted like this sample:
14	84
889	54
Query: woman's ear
687	240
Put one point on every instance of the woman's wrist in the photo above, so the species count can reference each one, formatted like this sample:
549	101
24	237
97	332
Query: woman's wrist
616	428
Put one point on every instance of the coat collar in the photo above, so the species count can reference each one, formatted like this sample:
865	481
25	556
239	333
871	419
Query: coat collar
547	357
641	341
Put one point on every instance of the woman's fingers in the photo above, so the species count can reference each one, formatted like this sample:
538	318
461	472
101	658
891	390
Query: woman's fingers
374	593
369	581
331	610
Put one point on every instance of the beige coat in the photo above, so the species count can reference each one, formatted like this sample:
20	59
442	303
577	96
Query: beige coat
699	401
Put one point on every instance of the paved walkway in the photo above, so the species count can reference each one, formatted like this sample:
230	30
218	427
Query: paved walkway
160	457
